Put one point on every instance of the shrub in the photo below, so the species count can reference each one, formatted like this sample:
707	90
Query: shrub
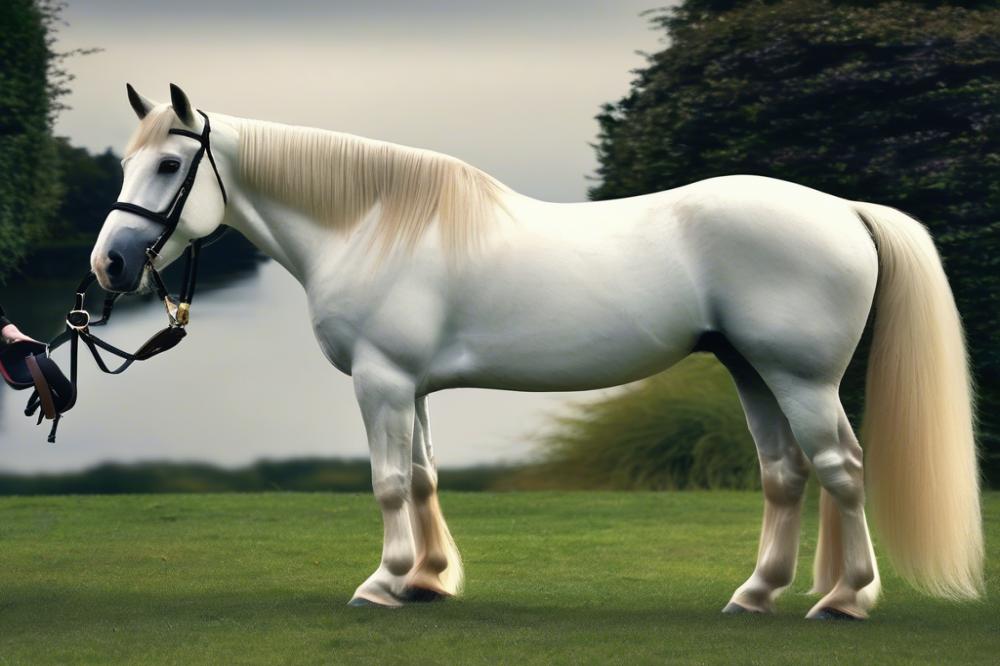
677	430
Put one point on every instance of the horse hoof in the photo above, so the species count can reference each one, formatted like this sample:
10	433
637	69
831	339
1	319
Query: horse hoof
828	613
733	608
422	595
361	602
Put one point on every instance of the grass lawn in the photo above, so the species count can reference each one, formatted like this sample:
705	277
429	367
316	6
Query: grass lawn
552	578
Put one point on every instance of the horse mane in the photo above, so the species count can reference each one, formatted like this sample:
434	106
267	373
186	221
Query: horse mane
338	178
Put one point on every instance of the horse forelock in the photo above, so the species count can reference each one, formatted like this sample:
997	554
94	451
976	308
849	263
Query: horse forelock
152	130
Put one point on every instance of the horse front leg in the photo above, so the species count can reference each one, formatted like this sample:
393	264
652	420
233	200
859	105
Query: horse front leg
386	397
438	572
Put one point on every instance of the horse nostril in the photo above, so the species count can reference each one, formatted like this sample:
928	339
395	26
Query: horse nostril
116	264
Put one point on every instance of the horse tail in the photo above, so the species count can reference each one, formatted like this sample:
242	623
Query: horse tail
920	452
453	577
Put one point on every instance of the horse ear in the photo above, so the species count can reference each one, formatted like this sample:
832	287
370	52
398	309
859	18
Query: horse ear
182	107
140	104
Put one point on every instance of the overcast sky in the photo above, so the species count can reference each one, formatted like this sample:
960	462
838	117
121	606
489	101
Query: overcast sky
511	86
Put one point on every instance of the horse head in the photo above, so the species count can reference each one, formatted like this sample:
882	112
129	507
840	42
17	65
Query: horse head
166	201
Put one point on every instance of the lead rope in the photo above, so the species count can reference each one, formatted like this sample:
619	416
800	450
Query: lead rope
78	326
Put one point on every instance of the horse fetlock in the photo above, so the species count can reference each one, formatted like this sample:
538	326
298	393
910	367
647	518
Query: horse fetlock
399	564
399	560
775	574
859	575
434	560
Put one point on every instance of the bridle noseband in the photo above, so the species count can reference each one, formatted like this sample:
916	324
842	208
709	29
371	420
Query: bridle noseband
79	323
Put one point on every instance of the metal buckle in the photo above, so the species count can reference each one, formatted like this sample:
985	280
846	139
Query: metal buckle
78	320
171	308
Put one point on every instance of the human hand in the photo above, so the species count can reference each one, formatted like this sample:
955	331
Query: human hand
11	333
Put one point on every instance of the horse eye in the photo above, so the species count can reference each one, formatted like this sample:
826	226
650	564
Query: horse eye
169	166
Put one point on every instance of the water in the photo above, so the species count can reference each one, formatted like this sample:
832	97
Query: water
248	382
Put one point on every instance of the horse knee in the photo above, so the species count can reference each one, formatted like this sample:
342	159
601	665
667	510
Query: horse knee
391	491
784	478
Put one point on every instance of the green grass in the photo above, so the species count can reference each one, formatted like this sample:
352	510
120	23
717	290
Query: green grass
552	578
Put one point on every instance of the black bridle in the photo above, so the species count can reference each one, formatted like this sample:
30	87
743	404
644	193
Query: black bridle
170	217
78	321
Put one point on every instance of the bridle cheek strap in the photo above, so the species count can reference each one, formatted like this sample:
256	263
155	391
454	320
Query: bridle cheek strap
170	216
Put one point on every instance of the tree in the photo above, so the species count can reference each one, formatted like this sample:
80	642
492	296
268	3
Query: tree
87	185
889	102
90	183
29	187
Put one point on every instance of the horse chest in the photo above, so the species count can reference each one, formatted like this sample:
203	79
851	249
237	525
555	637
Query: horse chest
336	339
403	323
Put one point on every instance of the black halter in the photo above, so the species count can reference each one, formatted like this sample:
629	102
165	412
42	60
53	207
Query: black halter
53	393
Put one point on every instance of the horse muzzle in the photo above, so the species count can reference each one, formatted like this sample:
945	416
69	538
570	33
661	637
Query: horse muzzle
120	266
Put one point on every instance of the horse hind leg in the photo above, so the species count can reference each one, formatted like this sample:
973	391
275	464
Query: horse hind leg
821	427
829	564
783	476
438	569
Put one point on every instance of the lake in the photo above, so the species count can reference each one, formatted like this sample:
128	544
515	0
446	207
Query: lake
248	382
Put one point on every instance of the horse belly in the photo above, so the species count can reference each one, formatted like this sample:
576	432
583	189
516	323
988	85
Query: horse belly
569	319
566	363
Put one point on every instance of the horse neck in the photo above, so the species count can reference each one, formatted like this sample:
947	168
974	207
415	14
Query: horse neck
281	232
307	246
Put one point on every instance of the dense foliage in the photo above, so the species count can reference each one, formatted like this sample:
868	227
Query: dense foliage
29	188
889	102
90	183
87	184
54	196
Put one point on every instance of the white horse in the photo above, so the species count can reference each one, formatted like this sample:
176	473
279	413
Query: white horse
423	273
